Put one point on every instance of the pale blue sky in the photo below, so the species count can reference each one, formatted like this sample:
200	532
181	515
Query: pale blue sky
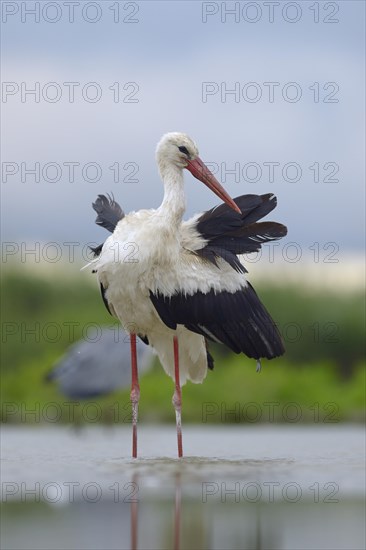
169	53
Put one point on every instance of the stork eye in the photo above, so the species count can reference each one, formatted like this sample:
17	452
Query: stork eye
184	150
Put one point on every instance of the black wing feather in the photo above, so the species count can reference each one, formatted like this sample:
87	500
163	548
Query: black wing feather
248	238
229	233
109	212
103	291
210	359
239	320
96	250
223	218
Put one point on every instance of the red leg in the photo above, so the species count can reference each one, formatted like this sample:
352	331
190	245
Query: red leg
135	394
177	397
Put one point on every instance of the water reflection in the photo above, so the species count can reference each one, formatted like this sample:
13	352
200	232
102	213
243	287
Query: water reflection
172	541
179	521
177	511
134	517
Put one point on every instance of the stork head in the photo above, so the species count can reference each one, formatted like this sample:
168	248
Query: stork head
179	150
176	148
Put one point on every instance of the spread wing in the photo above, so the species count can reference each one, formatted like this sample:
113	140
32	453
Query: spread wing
222	232
236	318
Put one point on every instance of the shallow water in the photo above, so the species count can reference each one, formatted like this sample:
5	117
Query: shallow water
272	487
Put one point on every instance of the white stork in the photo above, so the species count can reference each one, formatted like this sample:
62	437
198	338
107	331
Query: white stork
176	283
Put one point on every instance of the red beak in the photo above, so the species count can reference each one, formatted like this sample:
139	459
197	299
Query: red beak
200	171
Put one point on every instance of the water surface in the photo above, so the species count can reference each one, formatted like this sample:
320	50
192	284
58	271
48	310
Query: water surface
290	487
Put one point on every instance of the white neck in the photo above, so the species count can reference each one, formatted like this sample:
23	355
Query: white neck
174	202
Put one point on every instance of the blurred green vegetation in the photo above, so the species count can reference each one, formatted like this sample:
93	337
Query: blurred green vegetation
320	379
